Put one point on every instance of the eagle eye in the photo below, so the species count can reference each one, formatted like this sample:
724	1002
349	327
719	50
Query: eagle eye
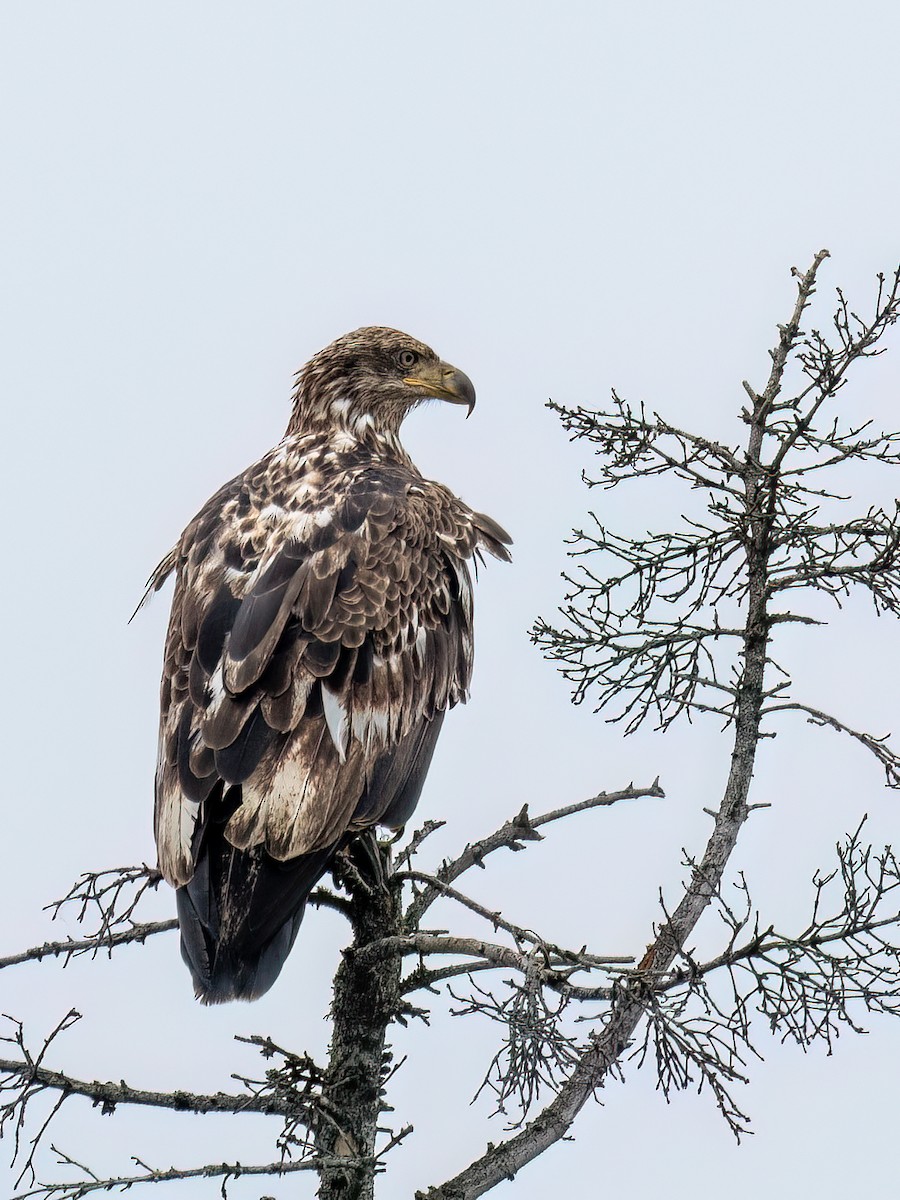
407	358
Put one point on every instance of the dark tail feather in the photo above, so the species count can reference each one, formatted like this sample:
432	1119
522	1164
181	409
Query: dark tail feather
239	916
241	911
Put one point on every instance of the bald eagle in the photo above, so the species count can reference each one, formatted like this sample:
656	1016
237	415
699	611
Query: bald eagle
321	627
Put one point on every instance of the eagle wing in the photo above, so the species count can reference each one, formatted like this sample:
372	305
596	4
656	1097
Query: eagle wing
311	654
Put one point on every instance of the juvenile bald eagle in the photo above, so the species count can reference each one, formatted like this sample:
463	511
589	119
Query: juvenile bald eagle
321	627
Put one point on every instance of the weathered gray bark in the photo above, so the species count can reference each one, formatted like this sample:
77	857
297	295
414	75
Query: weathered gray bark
366	999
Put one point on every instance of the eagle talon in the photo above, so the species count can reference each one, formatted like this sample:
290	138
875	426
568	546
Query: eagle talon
372	860
347	874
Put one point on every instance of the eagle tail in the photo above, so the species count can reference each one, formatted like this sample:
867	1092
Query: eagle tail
239	916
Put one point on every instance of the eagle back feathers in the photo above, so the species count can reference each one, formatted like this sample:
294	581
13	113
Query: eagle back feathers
320	628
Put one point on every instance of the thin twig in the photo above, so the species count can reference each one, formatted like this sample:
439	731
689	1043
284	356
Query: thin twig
92	945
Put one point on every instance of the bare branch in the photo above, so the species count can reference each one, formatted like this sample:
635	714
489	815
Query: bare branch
535	1052
788	335
512	836
110	896
290	1090
705	1048
557	964
495	918
78	1189
25	1080
889	760
72	947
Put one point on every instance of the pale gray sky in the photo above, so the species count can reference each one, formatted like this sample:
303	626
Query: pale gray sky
558	198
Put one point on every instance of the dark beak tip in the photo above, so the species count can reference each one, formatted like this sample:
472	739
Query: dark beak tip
458	387
466	391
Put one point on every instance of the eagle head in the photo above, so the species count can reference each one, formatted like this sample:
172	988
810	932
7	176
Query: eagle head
368	380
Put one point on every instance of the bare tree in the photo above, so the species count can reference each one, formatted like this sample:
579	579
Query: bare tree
655	628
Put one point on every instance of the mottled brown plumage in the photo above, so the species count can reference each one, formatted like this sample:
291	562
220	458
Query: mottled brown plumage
321	627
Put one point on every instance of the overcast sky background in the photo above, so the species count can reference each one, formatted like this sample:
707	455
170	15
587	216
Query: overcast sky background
558	198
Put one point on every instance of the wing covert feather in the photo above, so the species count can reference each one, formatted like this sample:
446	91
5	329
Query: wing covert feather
316	632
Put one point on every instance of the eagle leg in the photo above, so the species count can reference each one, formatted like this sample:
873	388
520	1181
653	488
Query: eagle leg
365	861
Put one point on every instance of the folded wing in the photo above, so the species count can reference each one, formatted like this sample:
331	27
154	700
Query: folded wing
311	656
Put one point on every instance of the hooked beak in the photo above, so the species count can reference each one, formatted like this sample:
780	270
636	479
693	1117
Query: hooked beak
444	383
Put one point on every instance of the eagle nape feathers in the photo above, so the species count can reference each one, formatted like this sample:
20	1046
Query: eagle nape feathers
321	627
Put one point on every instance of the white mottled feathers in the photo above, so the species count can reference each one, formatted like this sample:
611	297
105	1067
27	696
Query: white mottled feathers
322	617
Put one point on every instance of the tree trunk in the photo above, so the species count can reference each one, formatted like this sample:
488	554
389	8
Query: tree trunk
366	998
